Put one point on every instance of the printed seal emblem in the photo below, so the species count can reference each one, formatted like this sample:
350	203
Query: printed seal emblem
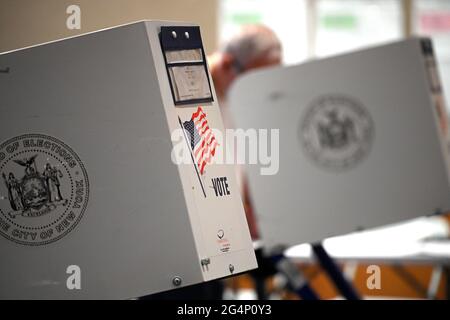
337	132
44	189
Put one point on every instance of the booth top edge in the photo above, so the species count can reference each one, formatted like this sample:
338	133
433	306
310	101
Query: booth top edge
159	23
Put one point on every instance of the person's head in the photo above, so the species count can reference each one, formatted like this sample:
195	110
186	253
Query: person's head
254	46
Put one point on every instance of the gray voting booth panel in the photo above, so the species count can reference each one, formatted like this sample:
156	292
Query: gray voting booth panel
87	178
360	142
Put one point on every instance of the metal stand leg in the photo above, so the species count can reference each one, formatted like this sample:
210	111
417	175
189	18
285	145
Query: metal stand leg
447	281
296	281
334	272
260	287
435	281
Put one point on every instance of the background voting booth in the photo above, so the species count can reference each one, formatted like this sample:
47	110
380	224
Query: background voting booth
87	174
360	142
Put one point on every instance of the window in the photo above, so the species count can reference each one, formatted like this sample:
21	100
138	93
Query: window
287	18
345	25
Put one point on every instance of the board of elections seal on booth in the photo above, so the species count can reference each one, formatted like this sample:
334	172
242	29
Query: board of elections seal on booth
336	132
44	189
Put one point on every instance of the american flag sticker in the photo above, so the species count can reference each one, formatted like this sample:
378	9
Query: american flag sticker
201	141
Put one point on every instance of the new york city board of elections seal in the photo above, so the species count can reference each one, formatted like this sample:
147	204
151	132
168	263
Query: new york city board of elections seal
336	132
44	189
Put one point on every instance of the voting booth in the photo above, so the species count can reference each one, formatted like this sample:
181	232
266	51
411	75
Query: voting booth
361	142
93	202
